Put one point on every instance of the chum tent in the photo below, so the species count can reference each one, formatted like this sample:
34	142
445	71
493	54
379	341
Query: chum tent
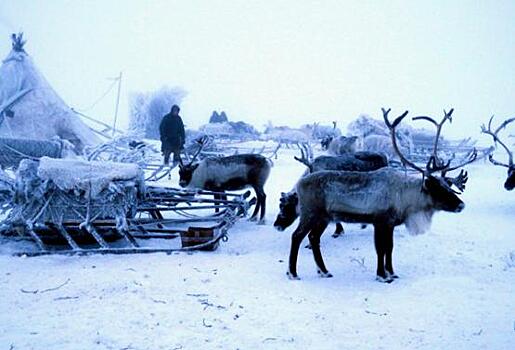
31	109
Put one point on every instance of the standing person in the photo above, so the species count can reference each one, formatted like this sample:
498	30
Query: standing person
171	131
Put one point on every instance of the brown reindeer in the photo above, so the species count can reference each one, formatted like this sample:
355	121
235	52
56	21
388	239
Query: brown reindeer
385	198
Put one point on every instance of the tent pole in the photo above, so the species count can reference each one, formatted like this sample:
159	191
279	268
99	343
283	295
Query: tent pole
117	102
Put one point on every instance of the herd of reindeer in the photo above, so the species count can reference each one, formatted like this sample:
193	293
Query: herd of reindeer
352	187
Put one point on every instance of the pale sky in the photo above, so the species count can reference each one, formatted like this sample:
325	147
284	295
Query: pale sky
291	62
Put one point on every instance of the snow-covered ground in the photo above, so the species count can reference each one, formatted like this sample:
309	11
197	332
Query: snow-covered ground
456	288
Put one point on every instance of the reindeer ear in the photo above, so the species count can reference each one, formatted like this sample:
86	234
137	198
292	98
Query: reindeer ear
425	184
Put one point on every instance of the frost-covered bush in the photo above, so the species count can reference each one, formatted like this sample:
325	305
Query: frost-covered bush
148	108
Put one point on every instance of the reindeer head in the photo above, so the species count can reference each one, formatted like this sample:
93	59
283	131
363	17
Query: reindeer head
288	212
186	174
510	181
326	141
186	170
438	188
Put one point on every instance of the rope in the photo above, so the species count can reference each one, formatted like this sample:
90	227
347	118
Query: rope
101	97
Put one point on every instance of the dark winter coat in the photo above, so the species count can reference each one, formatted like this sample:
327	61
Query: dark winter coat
171	131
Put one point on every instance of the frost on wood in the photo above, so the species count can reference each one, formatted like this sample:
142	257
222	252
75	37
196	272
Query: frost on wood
56	190
125	150
6	190
148	108
31	109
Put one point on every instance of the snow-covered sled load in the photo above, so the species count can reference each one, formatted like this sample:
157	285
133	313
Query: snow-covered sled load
231	131
51	192
56	190
219	130
77	206
31	109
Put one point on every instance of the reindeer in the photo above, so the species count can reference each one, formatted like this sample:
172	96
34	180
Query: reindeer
229	173
340	145
359	161
510	181
385	198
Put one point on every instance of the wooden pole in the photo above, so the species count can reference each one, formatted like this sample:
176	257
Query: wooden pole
117	102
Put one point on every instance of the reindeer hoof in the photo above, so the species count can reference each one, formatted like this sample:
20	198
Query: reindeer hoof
386	279
324	274
262	222
391	275
253	218
292	276
336	235
307	246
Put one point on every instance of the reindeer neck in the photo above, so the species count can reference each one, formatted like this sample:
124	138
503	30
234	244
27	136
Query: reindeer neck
411	198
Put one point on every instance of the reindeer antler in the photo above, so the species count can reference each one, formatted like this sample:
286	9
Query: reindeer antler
201	142
494	135
471	157
459	181
391	127
435	163
306	156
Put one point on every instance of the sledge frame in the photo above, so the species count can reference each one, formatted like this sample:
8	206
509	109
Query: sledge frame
164	214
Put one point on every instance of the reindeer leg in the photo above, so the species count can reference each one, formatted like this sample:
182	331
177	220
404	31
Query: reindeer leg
339	230
388	252
314	239
379	240
258	204
262	194
296	239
